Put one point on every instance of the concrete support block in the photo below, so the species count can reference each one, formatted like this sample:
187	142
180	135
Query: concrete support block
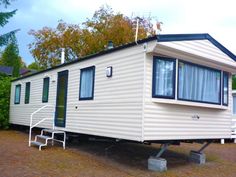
197	157
157	164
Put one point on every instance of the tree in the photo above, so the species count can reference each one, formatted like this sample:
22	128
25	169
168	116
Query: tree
5	88
48	43
90	37
4	17
10	57
34	66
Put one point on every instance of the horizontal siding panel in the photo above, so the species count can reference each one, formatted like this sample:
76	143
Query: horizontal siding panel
175	122
116	110
203	48
197	125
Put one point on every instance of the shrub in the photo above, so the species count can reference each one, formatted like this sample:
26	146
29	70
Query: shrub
5	89
234	82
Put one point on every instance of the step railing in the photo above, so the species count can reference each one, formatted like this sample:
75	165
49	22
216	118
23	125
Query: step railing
42	120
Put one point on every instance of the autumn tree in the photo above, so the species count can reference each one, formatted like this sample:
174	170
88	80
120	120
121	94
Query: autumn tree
90	37
46	48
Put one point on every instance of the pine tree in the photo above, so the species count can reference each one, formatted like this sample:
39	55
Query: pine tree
10	57
4	17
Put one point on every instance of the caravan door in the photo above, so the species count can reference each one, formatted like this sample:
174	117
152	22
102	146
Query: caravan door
61	99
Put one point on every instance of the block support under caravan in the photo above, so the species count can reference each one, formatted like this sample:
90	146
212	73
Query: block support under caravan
155	163
198	156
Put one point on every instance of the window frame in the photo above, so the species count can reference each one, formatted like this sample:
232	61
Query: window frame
44	80
223	82
27	92
93	81
154	95
18	85
175	96
201	66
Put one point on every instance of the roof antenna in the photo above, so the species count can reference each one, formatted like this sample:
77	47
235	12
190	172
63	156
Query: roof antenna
157	27
136	33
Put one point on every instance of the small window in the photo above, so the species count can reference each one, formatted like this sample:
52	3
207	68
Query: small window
45	89
198	83
225	88
17	94
27	92
87	83
163	78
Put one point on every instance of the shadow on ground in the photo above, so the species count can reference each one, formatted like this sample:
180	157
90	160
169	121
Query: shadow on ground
130	154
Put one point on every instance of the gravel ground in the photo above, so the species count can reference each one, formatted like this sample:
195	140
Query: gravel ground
103	159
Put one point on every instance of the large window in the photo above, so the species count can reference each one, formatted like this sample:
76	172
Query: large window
87	83
17	94
27	92
197	83
225	88
163	78
194	82
45	90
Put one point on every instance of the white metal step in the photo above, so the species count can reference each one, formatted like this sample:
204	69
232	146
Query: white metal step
52	131
44	137
233	136
37	143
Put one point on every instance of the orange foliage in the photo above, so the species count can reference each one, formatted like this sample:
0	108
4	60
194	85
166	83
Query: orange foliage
78	41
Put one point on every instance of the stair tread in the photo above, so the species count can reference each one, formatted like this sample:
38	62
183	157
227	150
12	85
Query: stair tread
36	143
53	131
44	137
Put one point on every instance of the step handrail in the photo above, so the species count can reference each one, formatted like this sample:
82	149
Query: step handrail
42	120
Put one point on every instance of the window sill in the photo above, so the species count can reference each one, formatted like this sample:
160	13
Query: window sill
188	103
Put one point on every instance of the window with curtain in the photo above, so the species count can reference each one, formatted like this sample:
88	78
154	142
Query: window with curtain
163	78
45	89
225	88
87	83
234	104
198	83
27	92
17	94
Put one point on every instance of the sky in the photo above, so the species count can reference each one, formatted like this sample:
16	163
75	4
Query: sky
216	17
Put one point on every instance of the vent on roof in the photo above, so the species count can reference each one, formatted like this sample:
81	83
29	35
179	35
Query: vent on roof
110	45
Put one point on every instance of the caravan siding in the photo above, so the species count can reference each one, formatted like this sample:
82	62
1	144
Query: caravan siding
172	119
115	111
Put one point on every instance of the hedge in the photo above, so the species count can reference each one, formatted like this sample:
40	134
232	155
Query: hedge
5	89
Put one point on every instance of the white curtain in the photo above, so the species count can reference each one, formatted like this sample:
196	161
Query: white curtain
225	88
164	77
17	94
234	104
86	83
198	83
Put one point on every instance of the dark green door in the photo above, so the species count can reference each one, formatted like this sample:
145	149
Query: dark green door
60	115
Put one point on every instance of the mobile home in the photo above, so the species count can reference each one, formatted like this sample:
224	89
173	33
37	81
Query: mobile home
163	88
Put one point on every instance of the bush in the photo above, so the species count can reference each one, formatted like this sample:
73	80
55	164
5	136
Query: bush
5	89
234	82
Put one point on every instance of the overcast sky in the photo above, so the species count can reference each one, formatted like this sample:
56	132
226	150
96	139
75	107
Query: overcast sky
218	18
